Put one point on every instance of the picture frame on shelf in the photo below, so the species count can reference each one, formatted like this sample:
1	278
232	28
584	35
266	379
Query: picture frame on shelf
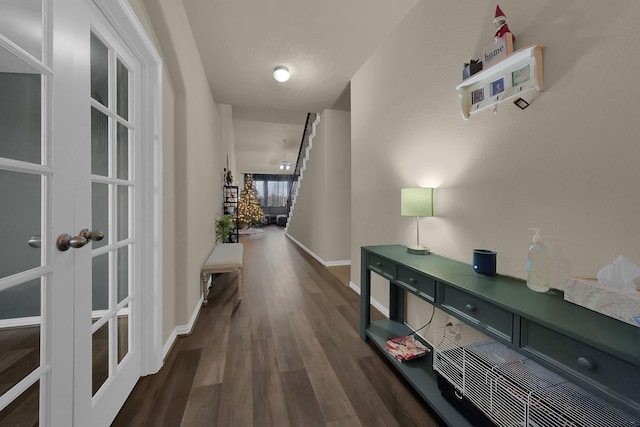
521	76
477	96
497	86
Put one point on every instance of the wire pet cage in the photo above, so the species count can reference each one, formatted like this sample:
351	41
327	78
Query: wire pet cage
512	390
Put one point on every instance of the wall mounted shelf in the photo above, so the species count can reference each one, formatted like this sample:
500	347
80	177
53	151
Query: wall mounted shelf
520	72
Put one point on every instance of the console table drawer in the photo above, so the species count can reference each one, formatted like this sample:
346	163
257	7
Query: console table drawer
382	266
422	285
478	311
581	359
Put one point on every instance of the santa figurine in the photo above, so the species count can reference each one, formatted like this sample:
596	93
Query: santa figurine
500	22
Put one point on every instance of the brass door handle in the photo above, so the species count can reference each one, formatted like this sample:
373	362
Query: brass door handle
65	241
94	235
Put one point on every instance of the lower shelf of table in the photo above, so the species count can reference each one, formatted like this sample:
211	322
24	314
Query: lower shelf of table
418	372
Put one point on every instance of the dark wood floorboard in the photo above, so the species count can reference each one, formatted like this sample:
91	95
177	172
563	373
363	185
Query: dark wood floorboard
289	354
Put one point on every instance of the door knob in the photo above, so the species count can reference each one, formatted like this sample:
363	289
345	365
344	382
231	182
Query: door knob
35	241
94	235
65	242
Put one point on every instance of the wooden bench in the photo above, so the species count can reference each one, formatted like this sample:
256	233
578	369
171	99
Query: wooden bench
224	258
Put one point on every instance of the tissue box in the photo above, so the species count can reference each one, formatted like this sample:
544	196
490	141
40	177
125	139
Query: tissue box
616	303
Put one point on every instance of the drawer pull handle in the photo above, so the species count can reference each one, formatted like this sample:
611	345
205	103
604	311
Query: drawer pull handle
379	264
586	363
470	307
412	280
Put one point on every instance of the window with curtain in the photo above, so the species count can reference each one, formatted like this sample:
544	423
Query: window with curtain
273	190
278	192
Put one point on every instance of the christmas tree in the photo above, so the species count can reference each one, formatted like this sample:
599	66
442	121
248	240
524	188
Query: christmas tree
249	210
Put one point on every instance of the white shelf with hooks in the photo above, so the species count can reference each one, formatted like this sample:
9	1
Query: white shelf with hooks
516	74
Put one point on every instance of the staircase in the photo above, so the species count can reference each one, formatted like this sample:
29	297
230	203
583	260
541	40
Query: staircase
301	164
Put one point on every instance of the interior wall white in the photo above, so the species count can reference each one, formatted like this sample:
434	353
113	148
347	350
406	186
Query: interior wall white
337	202
320	218
196	161
567	164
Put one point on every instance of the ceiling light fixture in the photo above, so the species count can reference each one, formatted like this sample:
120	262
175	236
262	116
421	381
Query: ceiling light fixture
284	165
281	73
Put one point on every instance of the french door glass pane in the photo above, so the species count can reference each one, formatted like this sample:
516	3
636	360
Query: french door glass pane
20	123
100	285
21	301
25	410
100	212
21	221
122	90
21	22
99	143
123	273
20	338
123	152
123	332
100	357
99	71
123	212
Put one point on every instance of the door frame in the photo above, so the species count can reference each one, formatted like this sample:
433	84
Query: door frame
122	17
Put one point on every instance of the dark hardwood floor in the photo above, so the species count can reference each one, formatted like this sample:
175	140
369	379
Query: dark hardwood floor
288	355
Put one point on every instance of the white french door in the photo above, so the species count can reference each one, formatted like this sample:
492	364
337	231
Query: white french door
75	253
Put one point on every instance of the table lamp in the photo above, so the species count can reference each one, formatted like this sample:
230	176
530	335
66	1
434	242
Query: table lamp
417	202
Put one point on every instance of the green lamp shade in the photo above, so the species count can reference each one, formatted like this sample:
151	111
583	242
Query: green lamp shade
416	202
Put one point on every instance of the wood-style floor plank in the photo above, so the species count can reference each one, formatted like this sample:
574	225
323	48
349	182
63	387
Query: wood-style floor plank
289	354
202	406
302	405
331	396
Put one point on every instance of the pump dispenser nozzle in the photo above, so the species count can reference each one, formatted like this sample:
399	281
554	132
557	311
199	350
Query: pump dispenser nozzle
536	237
537	273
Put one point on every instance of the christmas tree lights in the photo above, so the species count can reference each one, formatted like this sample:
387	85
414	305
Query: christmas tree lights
249	209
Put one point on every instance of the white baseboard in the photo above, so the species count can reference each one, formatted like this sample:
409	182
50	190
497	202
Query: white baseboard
381	308
181	330
316	257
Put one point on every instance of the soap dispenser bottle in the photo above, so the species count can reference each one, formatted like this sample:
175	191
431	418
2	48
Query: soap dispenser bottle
537	270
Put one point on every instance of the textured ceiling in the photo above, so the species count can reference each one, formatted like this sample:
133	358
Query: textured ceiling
323	43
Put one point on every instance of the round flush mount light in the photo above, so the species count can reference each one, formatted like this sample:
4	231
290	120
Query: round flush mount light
281	73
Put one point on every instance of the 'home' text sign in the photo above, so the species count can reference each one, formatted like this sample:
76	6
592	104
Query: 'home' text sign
497	51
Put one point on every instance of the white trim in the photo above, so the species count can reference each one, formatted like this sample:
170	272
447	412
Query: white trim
182	329
10	395
374	302
316	257
20	322
338	263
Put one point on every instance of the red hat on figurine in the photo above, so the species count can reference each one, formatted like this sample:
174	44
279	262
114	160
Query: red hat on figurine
499	15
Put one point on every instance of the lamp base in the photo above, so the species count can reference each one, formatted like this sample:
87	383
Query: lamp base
418	250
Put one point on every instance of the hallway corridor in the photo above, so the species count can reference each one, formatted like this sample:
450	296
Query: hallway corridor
288	355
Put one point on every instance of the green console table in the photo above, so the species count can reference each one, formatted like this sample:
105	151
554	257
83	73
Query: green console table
594	351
